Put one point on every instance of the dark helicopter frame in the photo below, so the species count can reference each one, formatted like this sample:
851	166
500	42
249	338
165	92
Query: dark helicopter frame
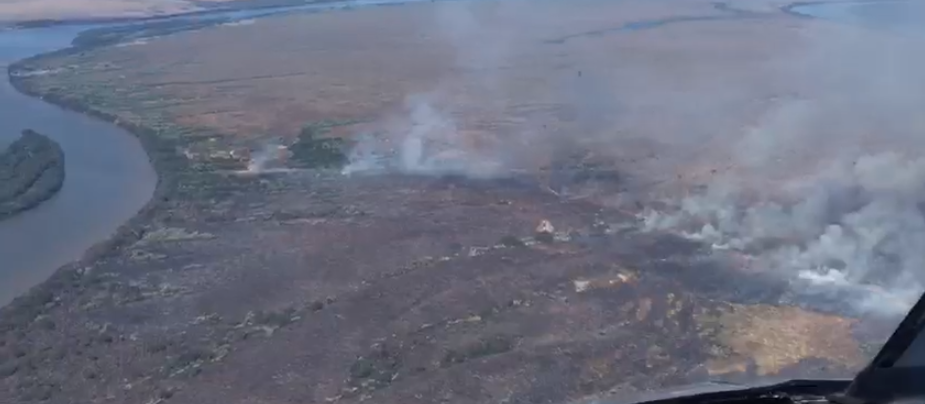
896	374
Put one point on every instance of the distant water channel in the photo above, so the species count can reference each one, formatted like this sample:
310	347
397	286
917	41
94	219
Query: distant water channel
905	17
108	175
108	179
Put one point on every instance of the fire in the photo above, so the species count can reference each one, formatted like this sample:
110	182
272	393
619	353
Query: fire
545	227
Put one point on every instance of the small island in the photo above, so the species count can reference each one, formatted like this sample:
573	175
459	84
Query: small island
31	172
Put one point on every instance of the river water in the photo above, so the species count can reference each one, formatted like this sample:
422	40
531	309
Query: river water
109	178
906	17
108	175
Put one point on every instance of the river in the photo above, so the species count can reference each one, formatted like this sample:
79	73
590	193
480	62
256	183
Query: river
109	178
905	17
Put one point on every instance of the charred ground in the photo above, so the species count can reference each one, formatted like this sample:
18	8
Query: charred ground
439	306
314	286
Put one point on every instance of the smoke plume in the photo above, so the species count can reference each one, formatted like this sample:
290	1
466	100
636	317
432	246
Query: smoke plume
425	137
427	143
268	158
826	187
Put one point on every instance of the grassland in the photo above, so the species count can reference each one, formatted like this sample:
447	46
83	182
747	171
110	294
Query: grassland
312	286
42	12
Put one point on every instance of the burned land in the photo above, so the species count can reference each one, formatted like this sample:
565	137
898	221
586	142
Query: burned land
430	202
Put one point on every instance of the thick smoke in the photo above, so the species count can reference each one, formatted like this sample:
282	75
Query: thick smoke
857	225
427	143
828	189
425	137
268	158
825	188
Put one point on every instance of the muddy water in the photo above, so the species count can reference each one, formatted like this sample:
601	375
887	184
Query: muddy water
108	175
905	17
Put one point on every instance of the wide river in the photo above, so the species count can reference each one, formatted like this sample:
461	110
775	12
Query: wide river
109	178
108	175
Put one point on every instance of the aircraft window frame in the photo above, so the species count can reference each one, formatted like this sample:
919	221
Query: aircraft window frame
898	370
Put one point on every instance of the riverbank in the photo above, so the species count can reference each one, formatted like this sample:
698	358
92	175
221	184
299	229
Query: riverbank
111	13
162	151
313	286
31	172
162	155
162	148
39	308
207	10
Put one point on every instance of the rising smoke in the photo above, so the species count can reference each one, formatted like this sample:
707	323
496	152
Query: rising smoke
854	225
428	143
826	188
425	139
268	158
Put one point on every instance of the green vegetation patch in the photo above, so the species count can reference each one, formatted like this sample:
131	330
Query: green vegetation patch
31	171
544	237
376	370
116	34
482	348
512	241
276	319
315	149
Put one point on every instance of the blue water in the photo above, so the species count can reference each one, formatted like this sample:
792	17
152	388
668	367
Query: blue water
901	17
19	44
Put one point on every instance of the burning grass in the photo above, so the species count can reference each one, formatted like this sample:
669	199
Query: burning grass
771	339
481	120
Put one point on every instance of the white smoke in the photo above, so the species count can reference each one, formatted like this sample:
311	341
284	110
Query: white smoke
856	224
268	158
825	188
427	143
425	139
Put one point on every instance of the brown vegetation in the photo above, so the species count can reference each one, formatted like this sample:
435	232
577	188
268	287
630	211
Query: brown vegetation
533	83
316	287
47	10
